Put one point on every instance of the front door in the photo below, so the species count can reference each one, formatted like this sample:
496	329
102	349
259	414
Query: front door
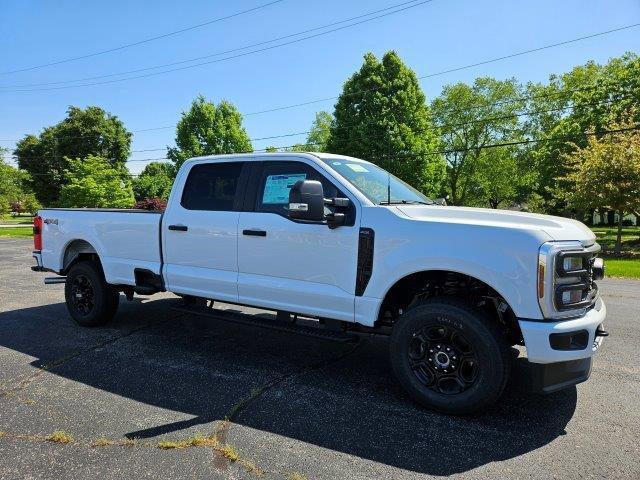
200	233
291	265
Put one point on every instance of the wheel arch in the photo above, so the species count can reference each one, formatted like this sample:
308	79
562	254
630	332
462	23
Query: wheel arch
422	284
78	250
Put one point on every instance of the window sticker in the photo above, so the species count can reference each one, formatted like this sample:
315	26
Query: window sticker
277	187
356	167
336	163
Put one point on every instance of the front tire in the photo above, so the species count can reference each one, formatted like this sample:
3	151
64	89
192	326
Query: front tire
91	301
449	357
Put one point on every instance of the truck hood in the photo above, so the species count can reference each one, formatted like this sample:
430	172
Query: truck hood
558	228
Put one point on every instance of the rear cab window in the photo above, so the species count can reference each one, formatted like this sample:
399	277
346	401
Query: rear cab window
212	186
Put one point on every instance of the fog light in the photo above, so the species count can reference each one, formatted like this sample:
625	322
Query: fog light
571	296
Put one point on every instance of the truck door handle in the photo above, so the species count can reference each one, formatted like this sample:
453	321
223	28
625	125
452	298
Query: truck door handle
255	233
180	228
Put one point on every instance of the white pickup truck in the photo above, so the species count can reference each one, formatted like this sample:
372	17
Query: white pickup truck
340	241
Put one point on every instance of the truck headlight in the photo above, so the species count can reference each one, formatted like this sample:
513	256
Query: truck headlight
566	274
571	264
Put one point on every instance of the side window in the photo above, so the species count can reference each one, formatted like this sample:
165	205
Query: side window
277	179
211	186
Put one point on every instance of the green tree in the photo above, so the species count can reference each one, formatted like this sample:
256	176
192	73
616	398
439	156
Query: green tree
84	132
207	129
501	177
606	173
94	182
471	119
30	204
13	186
155	181
381	116
588	98
318	137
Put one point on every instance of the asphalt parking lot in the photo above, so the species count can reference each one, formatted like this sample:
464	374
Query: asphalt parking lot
286	405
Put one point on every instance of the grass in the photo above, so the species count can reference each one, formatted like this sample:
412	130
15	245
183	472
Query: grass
16	232
295	476
606	237
622	267
18	220
103	442
230	452
627	263
60	436
196	441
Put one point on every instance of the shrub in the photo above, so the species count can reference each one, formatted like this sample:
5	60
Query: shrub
154	204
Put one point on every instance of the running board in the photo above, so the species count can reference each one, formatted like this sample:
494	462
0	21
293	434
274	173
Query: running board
252	320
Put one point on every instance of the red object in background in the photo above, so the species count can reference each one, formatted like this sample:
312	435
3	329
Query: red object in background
154	204
37	232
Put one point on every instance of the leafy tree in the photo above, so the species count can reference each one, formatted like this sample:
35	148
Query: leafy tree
155	181
317	137
94	182
89	131
320	132
13	187
207	129
471	118
30	204
606	173
588	98
501	177
382	116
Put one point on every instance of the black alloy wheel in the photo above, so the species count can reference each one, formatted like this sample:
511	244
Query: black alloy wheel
443	360
82	295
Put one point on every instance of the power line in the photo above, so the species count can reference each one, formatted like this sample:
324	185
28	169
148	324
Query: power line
450	125
285	107
457	110
224	52
140	42
484	62
413	5
440	152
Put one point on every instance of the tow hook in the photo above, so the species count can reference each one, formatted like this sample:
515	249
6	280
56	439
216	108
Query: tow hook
600	332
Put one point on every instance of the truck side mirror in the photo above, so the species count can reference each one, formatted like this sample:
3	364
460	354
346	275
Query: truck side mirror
306	201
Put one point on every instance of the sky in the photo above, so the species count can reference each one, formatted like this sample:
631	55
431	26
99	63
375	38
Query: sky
430	37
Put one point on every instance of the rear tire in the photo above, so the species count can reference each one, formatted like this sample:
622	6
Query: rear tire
91	301
449	357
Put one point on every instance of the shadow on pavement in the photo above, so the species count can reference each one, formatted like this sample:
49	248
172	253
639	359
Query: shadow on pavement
353	405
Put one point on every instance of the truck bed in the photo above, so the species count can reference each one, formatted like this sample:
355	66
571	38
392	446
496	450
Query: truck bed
124	239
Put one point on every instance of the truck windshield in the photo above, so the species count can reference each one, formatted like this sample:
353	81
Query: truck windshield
377	184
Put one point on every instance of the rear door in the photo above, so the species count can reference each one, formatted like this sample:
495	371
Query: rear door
289	265
200	232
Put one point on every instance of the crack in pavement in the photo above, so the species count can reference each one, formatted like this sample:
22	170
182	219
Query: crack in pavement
30	378
223	430
221	457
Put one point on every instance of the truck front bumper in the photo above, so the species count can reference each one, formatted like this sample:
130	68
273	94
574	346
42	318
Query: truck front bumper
561	351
